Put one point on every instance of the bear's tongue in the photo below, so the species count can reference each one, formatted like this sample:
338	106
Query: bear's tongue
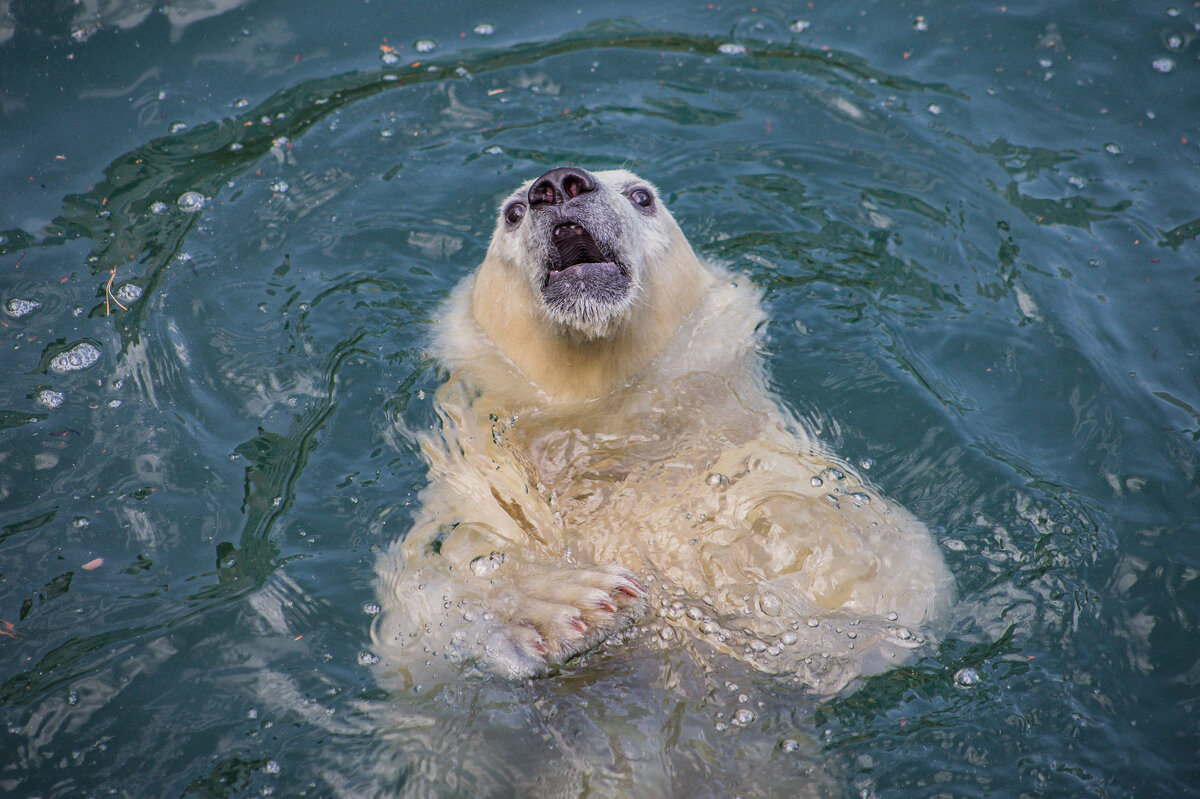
575	246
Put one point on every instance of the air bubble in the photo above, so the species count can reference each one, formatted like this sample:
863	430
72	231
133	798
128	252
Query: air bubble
816	482
834	473
813	622
367	658
129	292
485	29
158	207
789	745
389	58
787	639
966	677
715	479
800	26
920	24
770	604
372	609
424	45
743	716
484	565
18	307
1112	149
190	201
732	48
50	398
81	356
279	186
177	127
1163	64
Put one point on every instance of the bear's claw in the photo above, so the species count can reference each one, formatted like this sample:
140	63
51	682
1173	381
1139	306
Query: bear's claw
573	610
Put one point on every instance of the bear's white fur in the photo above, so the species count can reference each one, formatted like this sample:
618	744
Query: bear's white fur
618	463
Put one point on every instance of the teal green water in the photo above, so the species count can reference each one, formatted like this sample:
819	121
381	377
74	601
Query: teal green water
976	228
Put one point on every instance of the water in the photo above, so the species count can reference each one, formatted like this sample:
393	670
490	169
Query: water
976	230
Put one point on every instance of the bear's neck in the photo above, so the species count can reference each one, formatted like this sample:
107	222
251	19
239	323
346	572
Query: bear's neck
567	367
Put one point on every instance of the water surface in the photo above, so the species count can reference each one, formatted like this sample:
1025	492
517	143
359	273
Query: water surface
976	229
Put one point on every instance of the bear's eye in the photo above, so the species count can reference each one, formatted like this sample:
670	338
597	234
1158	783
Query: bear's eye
514	213
641	198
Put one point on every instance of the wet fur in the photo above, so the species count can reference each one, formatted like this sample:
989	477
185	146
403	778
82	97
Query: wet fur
623	466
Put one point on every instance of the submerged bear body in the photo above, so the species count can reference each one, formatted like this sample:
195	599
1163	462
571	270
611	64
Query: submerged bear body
611	460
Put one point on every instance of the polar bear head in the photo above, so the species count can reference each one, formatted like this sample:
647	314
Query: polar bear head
586	280
583	243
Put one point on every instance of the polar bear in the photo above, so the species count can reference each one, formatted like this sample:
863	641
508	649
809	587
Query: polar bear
611	459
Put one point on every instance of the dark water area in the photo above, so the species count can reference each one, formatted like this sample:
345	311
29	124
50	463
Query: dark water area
226	228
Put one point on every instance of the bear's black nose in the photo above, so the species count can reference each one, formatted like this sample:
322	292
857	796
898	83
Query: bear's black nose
560	185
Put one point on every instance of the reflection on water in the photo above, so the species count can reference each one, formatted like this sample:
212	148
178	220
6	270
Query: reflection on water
976	238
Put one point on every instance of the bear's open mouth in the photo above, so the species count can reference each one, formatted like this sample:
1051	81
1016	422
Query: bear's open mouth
573	247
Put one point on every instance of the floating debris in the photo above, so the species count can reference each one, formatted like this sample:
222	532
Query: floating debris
191	201
81	356
18	307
